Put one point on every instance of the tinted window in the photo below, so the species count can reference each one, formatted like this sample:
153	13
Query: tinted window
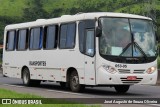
83	25
50	37
36	38
22	39
71	32
81	36
89	23
67	35
63	36
89	49
10	41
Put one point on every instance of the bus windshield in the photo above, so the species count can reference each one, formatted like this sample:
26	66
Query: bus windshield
119	36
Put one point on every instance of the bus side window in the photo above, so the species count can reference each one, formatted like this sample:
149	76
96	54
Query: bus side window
36	38
10	40
22	39
50	37
71	33
90	42
67	36
81	28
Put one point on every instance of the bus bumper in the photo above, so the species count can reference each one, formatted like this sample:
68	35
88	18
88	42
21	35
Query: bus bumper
106	78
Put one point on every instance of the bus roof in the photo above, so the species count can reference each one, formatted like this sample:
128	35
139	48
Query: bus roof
72	18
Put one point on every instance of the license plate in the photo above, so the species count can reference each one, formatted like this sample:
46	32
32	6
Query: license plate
131	77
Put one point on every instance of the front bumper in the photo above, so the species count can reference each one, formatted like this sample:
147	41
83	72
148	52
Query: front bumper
106	78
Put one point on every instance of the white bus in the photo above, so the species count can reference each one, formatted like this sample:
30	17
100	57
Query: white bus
86	49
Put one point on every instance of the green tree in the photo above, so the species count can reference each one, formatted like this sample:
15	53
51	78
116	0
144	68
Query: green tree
35	11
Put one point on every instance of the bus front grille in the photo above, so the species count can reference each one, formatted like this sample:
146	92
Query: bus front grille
124	71
127	71
125	81
138	71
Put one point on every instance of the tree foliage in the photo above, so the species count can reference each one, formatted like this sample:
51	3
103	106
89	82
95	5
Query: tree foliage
35	9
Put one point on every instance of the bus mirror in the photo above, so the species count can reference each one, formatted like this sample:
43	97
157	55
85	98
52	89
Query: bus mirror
98	31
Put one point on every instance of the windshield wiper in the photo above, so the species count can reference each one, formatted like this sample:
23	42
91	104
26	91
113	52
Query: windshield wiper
124	50
135	44
141	50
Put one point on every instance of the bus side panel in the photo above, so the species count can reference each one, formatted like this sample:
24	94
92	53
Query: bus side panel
57	63
48	74
63	59
10	67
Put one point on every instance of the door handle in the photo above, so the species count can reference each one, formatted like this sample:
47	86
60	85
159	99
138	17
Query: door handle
86	62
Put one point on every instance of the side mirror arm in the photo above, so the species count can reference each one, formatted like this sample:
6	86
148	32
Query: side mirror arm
98	31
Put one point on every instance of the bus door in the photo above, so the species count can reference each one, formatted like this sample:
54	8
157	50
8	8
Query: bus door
89	59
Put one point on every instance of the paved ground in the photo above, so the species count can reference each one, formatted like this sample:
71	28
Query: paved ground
53	90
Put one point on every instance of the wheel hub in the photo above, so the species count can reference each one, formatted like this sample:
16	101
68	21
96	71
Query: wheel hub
25	77
75	81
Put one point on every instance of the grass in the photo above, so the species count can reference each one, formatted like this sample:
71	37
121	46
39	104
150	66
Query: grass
11	94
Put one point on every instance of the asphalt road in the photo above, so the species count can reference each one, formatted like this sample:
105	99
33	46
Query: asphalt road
53	90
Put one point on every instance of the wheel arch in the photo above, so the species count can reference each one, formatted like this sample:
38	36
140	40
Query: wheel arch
23	69
69	71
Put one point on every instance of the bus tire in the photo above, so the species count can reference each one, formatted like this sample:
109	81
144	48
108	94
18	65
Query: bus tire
121	88
75	86
26	79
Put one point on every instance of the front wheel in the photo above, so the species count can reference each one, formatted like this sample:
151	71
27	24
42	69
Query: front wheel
75	86
122	88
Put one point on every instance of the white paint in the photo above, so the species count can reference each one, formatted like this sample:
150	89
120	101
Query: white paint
59	60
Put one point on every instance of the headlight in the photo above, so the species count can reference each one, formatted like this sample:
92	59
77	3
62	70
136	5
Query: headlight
109	69
151	70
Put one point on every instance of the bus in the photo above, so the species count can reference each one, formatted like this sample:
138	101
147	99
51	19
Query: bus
86	49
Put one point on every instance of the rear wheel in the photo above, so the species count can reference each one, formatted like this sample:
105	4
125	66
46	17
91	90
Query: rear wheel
75	86
26	79
122	88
